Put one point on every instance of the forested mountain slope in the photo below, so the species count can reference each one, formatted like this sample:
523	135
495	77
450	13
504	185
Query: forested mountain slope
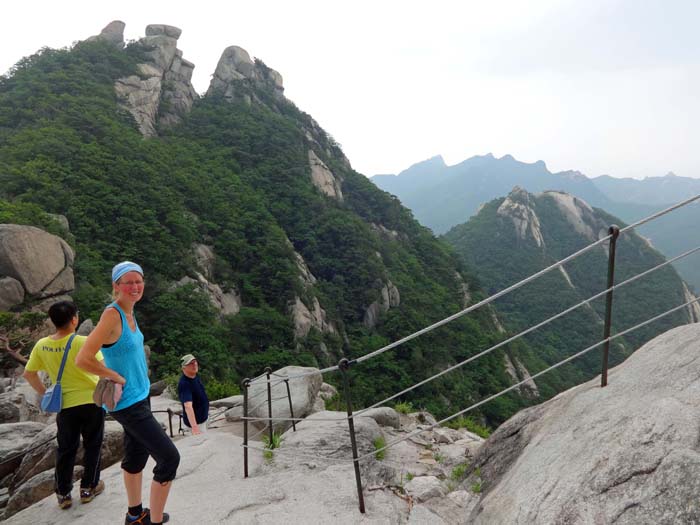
444	196
244	194
513	237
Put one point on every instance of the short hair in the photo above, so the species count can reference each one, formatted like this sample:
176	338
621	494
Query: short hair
62	312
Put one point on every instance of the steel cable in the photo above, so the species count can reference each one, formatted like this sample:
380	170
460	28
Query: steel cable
528	330
531	378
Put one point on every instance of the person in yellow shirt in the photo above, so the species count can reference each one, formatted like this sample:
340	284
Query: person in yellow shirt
79	415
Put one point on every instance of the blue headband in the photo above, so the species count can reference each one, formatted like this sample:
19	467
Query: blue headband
125	267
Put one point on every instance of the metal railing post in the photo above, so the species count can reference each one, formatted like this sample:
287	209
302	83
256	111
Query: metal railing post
344	366
268	371
245	384
170	421
291	410
614	231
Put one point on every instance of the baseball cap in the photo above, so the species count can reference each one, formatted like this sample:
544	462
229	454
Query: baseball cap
187	359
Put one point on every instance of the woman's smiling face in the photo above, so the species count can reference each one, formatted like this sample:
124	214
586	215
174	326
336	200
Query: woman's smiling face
130	286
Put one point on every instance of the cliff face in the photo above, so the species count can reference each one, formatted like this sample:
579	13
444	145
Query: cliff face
162	93
626	453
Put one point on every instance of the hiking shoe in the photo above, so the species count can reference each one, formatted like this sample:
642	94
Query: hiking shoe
144	518
64	502
88	494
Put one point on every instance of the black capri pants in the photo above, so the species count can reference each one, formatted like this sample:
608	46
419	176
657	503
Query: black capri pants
143	437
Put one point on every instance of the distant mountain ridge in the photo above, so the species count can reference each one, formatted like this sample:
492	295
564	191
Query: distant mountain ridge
443	196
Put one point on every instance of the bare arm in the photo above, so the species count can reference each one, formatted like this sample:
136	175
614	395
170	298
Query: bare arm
107	331
35	381
189	410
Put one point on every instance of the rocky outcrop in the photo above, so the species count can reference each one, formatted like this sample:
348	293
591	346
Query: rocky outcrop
517	372
518	208
303	390
33	264
14	408
112	33
389	298
226	303
204	258
626	453
323	178
237	77
463	290
42	455
579	215
14	439
35	489
305	318
162	93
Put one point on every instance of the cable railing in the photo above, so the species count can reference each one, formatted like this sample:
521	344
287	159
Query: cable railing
345	364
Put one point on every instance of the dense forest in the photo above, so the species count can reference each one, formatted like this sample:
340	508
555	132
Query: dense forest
490	243
235	176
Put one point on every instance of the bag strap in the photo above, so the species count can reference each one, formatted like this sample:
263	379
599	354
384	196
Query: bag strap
65	356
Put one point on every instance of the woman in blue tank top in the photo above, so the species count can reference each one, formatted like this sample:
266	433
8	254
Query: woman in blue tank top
118	336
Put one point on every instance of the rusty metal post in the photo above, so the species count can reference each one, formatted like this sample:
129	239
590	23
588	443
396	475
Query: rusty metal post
268	371
245	384
170	421
344	366
291	410
615	232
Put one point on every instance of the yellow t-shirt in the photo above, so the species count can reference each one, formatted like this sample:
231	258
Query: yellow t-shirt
77	385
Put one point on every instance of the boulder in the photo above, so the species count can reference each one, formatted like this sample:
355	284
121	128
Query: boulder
303	390
15	438
627	453
227	402
35	489
234	66
384	416
35	258
112	33
14	408
321	435
44	456
423	488
11	293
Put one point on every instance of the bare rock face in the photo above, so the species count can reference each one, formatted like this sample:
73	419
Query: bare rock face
517	207
389	298
517	372
35	489
323	178
226	303
163	93
236	72
626	454
41	263
305	318
579	214
112	33
14	439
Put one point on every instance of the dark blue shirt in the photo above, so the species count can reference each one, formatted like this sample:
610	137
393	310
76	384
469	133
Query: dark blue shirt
192	389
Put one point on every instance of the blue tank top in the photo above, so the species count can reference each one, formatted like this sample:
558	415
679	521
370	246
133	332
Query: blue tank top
128	358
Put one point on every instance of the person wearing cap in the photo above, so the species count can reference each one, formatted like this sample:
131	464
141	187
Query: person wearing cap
118	336
79	416
190	390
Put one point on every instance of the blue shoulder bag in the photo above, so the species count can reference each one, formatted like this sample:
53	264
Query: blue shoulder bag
51	401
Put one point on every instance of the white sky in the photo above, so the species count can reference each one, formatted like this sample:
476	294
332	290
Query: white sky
600	86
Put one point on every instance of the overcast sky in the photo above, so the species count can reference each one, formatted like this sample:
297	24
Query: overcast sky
600	86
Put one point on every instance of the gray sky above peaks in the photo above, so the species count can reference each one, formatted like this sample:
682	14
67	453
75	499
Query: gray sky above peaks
600	86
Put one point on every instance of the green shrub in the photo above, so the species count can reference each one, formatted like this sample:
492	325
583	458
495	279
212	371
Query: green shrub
404	407
380	443
459	472
220	389
270	445
470	424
